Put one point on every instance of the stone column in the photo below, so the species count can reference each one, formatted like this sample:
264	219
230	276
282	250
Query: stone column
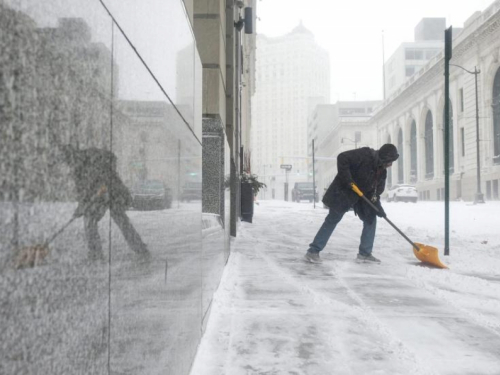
213	166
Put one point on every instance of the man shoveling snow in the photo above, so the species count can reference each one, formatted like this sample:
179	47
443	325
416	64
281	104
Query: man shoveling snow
367	168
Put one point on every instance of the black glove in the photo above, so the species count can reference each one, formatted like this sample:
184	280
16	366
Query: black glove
380	210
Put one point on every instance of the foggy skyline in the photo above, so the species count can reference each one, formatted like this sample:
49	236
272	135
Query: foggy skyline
352	33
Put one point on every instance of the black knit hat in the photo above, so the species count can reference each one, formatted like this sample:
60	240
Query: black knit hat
388	153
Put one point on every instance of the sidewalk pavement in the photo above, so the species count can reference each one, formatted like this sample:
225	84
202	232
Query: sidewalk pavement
276	314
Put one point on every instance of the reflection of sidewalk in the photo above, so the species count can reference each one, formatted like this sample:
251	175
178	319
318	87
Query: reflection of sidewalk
275	314
59	314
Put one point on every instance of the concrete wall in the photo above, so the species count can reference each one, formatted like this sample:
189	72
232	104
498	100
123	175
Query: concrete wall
124	292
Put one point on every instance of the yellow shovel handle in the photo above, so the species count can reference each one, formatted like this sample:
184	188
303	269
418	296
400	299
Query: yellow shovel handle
360	193
356	189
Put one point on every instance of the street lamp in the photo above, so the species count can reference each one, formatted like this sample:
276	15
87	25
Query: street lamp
478	198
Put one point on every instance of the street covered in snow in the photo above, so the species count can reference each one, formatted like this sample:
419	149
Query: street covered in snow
276	314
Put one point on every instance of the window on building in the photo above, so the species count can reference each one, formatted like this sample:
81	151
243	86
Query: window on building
462	135
496	118
413	152
461	96
430	53
400	160
357	136
414	54
488	190
429	146
410	70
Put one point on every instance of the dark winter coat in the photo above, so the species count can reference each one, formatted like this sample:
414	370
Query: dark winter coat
362	167
94	169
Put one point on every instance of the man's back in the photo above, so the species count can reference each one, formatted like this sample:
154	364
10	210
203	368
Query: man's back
94	168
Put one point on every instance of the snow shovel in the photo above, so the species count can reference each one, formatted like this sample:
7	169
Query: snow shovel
32	255
424	253
29	257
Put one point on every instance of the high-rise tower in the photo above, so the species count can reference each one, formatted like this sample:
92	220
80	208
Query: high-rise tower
292	75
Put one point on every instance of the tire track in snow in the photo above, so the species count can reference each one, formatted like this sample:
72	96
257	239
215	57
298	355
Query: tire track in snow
361	312
426	280
446	285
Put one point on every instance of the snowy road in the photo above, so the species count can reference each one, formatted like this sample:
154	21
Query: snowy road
276	314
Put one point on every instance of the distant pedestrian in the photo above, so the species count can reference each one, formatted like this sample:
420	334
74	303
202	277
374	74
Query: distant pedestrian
98	188
367	168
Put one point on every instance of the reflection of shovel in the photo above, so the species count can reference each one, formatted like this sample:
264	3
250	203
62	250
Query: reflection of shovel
31	256
424	253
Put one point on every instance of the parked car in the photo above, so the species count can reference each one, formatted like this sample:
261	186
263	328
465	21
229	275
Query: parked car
151	195
402	193
191	191
304	190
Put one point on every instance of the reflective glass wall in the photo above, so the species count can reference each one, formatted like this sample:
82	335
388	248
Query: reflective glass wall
100	188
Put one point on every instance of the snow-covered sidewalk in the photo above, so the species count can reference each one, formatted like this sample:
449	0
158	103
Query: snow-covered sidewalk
276	314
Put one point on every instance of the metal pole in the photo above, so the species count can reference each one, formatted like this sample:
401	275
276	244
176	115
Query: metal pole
264	189
479	195
286	185
314	180
383	63
448	53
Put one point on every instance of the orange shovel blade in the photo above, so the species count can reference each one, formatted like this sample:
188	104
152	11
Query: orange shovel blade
428	254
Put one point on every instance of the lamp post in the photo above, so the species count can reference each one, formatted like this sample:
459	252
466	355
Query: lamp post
314	177
479	197
264	189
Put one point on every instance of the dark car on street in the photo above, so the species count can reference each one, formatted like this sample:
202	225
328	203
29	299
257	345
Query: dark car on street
191	191
151	195
304	190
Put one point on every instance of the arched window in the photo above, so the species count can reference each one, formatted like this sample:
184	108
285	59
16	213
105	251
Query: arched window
413	153
496	118
401	178
389	172
452	150
429	146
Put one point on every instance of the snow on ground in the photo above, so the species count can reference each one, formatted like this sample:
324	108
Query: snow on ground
276	314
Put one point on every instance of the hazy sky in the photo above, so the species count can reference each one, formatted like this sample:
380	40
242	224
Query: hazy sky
352	32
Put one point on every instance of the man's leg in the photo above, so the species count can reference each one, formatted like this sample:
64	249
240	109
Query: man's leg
326	230
367	237
133	238
92	236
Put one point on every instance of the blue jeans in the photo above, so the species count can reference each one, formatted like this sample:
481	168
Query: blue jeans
331	221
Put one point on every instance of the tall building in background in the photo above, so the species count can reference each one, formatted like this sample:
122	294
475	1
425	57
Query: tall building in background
292	76
410	57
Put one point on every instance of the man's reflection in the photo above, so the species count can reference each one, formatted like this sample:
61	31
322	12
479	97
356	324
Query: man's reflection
98	188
